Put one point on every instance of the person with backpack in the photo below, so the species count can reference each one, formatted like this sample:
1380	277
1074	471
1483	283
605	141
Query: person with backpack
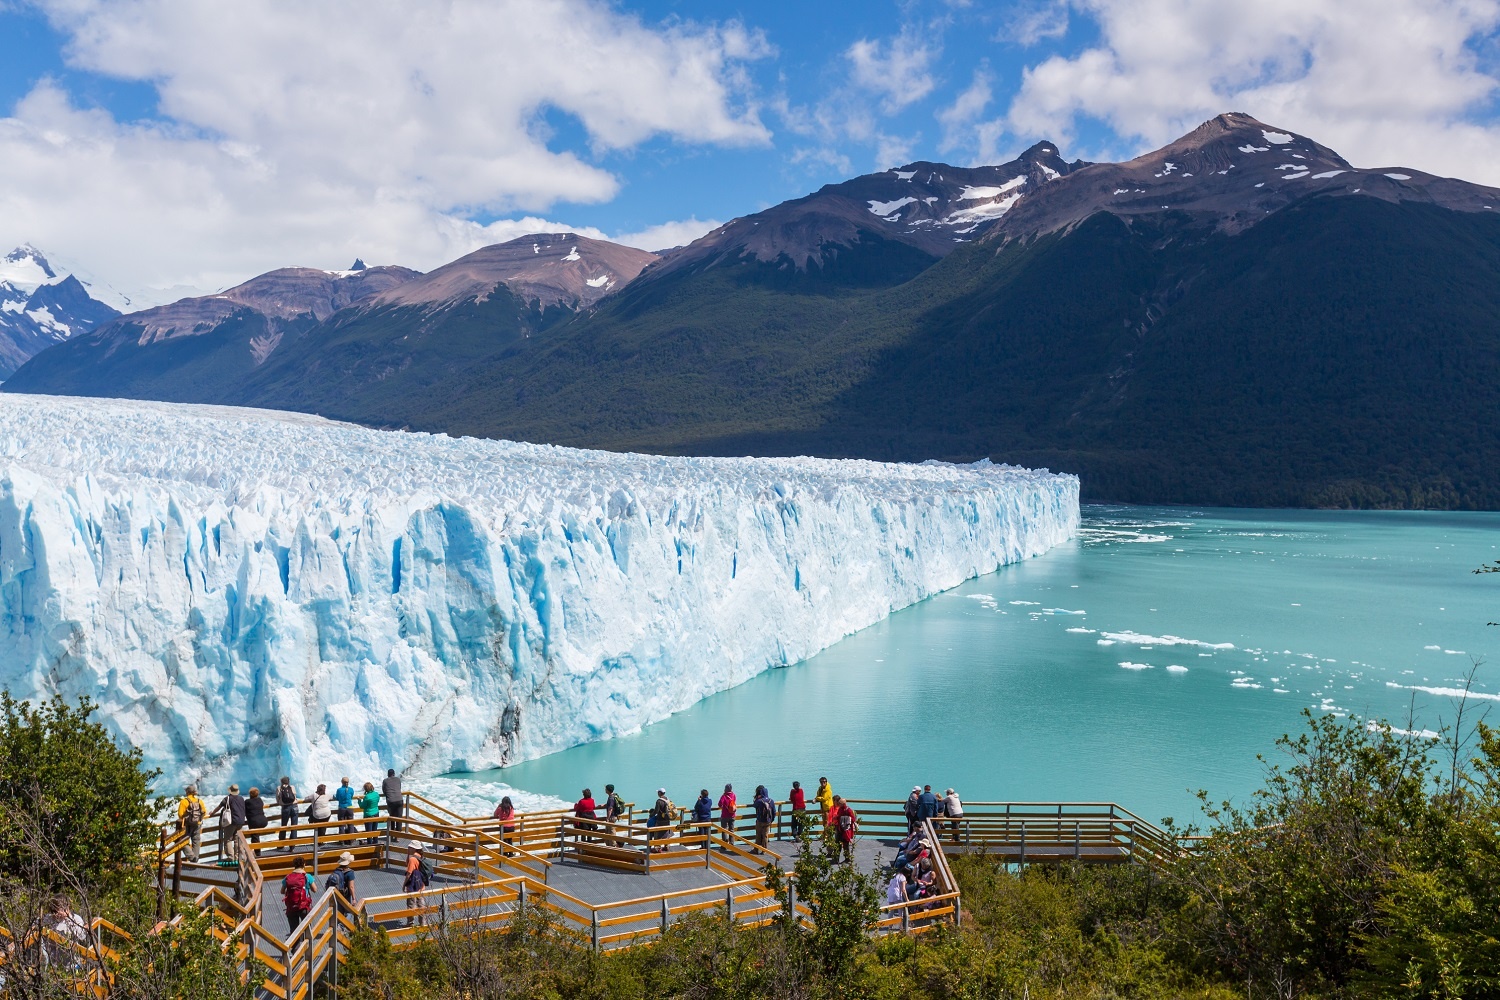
614	808
912	809
394	802
231	813
418	877
798	798
845	826
190	815
728	805
765	815
342	877
297	890
255	815
286	798
318	808
659	820
344	795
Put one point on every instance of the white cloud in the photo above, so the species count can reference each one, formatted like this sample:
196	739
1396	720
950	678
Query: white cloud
1384	82
1030	23
666	235
897	70
311	133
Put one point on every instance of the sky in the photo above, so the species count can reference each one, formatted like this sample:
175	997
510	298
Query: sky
172	146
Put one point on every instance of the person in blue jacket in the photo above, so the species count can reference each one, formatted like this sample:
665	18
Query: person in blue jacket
927	804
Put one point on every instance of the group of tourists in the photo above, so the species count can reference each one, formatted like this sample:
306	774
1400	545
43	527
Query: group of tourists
248	812
833	810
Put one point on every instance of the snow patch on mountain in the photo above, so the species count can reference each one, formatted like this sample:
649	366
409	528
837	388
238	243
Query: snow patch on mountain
250	593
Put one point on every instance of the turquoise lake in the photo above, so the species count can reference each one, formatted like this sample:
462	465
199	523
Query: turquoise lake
1157	654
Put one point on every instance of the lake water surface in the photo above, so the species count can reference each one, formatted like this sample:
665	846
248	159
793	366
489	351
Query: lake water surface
1157	654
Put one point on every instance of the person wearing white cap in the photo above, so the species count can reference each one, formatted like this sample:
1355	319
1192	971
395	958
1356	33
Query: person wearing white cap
659	820
342	877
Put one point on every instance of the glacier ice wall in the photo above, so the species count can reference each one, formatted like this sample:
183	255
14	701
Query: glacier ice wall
250	593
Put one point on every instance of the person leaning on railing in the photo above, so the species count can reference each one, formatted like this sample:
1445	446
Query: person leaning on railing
659	820
286	798
505	814
190	815
798	799
369	804
318	809
255	815
394	803
954	810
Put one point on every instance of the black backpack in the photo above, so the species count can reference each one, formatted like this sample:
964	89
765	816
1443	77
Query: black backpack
286	795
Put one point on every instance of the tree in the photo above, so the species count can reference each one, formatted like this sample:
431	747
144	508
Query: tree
65	783
845	903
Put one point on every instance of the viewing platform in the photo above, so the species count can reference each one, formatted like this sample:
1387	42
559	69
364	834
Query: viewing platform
605	884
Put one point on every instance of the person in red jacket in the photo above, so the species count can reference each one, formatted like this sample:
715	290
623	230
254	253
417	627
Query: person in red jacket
799	809
585	809
727	804
845	826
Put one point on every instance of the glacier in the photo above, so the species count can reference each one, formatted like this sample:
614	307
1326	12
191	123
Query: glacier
249	593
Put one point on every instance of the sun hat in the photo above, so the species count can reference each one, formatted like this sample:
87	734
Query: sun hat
346	859
661	791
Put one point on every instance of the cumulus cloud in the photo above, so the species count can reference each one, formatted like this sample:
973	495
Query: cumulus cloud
1382	81
666	235
898	70
308	133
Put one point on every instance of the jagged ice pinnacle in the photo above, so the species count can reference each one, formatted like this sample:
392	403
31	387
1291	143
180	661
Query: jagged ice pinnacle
250	593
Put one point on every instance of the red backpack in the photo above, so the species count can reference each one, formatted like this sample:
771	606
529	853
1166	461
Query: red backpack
295	894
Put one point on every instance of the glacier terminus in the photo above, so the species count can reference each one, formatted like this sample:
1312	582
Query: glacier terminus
249	593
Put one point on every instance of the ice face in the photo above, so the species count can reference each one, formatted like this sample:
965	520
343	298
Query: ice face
249	594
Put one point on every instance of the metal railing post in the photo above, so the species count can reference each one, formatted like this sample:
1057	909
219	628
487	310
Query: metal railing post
315	851
905	920
1022	864
594	929
791	898
1076	843
665	912
521	903
476	855
729	904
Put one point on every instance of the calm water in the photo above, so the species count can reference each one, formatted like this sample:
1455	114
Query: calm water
1016	685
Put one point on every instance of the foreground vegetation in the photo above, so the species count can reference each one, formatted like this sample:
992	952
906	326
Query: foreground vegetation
1367	866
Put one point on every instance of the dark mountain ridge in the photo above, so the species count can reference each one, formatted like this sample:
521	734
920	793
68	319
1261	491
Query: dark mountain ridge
1240	317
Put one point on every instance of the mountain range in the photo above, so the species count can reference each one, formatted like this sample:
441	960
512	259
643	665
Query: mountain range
1240	317
40	307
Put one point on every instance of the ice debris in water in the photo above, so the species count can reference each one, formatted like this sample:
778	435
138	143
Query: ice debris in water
250	593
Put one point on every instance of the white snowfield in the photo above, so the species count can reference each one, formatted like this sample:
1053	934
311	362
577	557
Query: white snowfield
250	593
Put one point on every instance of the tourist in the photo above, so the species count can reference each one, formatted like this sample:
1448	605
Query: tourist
907	848
613	807
798	799
370	806
954	810
703	812
659	820
928	806
391	789
765	815
231	813
190	814
913	808
318	809
344	795
286	798
255	815
342	877
418	878
824	798
505	814
845	823
727	807
297	890
72	930
895	890
583	811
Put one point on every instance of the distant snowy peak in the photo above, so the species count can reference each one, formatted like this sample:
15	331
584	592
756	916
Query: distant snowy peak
1229	173
545	269
39	307
930	207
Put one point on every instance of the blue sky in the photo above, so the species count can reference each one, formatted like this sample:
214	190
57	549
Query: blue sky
169	145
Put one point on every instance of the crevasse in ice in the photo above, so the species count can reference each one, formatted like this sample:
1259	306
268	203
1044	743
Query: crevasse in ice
249	593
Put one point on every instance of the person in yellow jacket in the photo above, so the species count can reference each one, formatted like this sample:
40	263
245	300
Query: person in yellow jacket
824	799
190	816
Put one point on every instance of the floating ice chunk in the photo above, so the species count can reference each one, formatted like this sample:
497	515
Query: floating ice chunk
1176	668
1135	666
1082	631
1138	639
1432	647
1036	603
